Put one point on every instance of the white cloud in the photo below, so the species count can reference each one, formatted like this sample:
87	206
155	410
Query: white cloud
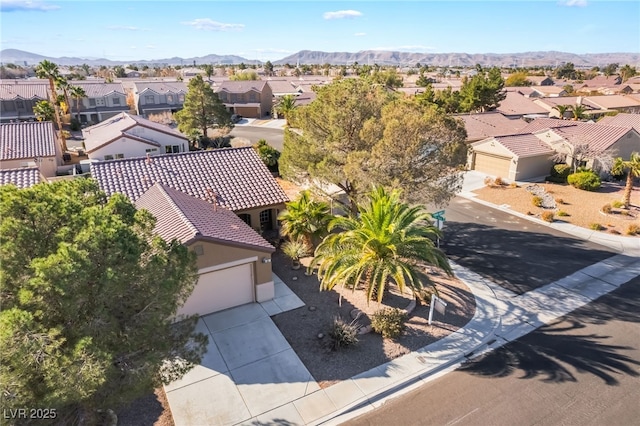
211	25
123	28
360	34
341	14
26	6
133	47
572	3
150	46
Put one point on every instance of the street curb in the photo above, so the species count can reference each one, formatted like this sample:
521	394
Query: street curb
409	383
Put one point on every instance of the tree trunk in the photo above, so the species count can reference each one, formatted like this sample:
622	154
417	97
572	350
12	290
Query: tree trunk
63	141
626	198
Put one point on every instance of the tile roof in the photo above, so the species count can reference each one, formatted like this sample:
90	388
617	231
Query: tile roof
237	175
614	101
27	140
10	91
548	90
488	124
568	100
161	87
622	120
185	218
516	104
524	145
546	123
241	86
598	137
282	86
22	178
99	89
121	124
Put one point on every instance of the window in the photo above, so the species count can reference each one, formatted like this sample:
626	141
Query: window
151	150
149	99
252	96
20	104
92	102
116	101
172	149
119	155
10	106
223	96
169	99
181	98
265	220
108	157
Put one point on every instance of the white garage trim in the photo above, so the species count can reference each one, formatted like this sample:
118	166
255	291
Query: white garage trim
227	265
496	165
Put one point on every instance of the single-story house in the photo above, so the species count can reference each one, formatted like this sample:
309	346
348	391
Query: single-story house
512	157
24	177
233	260
126	136
233	178
488	124
622	120
30	144
516	105
540	80
547	92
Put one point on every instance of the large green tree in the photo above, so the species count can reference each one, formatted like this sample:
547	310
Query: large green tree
632	168
202	109
482	92
88	297
388	242
355	134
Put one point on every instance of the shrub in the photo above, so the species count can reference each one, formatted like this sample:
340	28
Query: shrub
596	227
560	201
633	229
537	201
74	125
560	172
488	181
424	294
617	204
587	180
389	322
498	181
547	216
562	213
343	334
607	208
513	185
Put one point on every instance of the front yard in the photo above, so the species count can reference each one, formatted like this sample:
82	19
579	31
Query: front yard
582	208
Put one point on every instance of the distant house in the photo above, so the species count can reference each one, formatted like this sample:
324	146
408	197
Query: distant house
253	99
232	178
489	124
30	145
233	260
515	105
130	73
127	136
17	99
621	103
154	97
547	92
23	177
103	101
540	80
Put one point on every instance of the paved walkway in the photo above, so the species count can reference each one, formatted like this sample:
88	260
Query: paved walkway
241	383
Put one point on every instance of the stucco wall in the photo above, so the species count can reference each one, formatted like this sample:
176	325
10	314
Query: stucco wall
47	165
628	144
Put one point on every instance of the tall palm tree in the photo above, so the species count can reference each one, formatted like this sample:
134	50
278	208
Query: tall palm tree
48	70
286	106
78	93
578	112
632	168
387	243
305	219
562	109
63	84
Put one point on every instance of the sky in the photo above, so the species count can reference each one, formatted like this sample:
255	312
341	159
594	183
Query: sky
271	30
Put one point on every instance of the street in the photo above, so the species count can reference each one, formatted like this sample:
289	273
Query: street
274	137
582	369
515	253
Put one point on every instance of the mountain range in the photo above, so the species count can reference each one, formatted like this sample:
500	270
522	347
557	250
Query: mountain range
525	59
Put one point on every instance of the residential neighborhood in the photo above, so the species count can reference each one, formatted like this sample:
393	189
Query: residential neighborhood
341	235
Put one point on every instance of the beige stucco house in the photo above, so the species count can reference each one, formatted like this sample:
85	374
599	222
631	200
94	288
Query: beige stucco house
233	260
30	144
253	99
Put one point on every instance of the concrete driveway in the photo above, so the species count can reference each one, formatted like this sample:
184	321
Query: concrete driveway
249	368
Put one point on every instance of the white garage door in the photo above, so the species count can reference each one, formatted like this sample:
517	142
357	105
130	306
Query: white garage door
220	290
492	164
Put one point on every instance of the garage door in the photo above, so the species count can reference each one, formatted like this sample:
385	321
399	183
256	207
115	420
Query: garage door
220	290
492	164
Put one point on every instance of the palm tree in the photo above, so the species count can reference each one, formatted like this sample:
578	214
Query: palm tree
632	168
48	70
562	109
44	111
305	219
63	84
286	106
388	242
578	112
78	93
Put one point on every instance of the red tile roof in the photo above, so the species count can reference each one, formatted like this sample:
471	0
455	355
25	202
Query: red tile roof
524	145
517	104
546	123
22	178
19	90
598	137
482	126
27	140
241	86
237	175
185	218
622	120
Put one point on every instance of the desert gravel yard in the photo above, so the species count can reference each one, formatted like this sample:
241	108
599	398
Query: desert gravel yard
302	326
583	208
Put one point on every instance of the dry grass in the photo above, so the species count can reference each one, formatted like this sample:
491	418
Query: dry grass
583	207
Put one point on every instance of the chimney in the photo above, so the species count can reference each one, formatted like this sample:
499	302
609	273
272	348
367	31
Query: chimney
149	160
213	198
579	100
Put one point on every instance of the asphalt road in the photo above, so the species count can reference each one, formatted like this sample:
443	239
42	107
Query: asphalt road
274	137
515	253
583	369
